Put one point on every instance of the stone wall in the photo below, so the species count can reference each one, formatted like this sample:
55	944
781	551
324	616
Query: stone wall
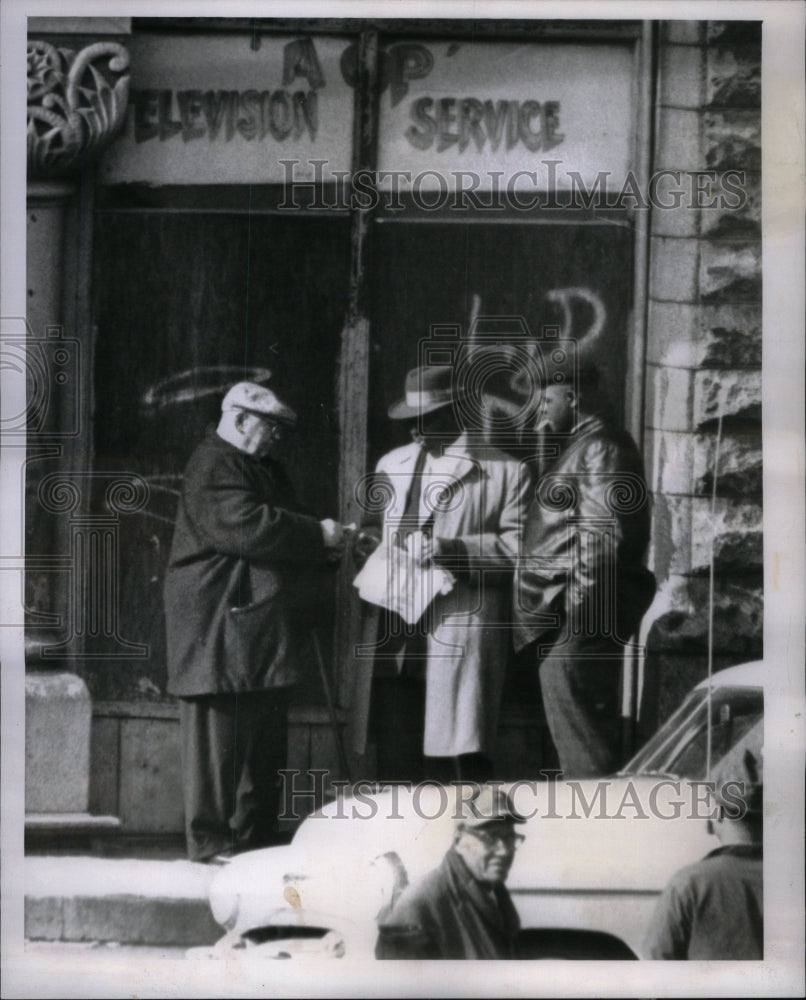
704	359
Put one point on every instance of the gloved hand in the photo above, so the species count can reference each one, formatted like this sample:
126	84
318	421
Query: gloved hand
448	553
430	549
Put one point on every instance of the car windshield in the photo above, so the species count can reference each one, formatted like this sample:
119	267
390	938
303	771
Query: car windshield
679	748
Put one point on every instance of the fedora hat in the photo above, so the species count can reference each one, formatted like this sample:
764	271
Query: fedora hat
427	388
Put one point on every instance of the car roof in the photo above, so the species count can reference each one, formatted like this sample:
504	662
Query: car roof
742	675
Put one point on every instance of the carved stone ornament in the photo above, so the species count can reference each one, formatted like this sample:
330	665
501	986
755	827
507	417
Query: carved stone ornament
76	104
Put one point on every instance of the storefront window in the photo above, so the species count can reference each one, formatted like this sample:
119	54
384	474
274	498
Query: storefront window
429	276
230	108
264	200
189	303
520	117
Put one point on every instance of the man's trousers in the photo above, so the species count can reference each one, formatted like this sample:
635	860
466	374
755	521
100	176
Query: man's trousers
232	748
580	681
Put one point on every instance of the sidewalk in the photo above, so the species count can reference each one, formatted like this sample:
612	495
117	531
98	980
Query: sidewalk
129	901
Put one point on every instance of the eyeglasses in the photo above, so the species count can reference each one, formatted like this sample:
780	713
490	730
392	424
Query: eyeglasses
277	430
508	840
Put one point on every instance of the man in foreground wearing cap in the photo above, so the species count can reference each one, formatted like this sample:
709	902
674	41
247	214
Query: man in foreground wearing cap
581	587
462	909
714	909
437	688
235	631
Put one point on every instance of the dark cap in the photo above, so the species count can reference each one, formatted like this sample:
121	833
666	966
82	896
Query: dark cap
739	779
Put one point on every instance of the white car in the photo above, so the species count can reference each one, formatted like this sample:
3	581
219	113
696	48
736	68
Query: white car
597	852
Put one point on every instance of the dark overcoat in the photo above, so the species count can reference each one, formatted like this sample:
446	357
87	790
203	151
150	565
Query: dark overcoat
450	915
234	589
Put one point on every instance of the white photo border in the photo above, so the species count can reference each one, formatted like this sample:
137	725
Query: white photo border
782	971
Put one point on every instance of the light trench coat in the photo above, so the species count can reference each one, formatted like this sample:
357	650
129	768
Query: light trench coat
469	636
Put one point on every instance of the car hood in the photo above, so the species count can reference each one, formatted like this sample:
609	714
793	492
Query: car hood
293	887
622	833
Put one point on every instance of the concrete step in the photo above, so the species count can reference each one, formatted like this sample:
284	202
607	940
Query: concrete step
56	832
125	900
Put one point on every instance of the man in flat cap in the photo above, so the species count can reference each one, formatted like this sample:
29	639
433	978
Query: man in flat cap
581	587
437	685
714	909
236	632
462	908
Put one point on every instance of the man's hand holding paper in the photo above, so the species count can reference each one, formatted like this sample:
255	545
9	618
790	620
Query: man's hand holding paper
404	580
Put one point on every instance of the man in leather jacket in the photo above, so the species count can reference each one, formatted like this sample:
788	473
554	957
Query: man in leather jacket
581	588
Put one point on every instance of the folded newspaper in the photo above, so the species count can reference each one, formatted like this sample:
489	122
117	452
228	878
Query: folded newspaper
397	579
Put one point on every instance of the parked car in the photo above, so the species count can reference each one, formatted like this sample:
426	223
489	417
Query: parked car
597	852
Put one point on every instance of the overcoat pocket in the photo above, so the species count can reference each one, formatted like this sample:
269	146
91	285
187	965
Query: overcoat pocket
256	644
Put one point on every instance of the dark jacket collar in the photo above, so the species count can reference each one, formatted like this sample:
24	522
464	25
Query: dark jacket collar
213	438
738	850
491	901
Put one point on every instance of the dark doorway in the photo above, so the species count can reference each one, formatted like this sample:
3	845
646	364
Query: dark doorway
186	304
573	278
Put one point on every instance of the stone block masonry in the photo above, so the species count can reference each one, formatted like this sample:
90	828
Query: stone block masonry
704	360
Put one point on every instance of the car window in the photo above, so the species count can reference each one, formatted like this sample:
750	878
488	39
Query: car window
679	748
731	718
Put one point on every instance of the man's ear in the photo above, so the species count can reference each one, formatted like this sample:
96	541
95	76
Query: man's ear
571	396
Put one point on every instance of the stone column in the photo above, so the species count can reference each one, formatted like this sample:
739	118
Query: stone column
54	368
77	97
704	357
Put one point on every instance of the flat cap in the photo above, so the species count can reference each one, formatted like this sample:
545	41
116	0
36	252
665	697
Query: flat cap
488	804
258	399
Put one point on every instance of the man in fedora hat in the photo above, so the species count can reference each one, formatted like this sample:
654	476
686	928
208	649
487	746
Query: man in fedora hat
437	689
234	627
462	908
581	587
714	909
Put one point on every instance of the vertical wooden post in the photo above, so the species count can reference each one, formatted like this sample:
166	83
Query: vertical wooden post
636	346
353	384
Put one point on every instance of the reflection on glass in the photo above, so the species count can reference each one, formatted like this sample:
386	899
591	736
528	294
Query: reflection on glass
679	747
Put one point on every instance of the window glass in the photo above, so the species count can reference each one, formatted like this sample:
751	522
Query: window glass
188	304
450	106
680	746
228	108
